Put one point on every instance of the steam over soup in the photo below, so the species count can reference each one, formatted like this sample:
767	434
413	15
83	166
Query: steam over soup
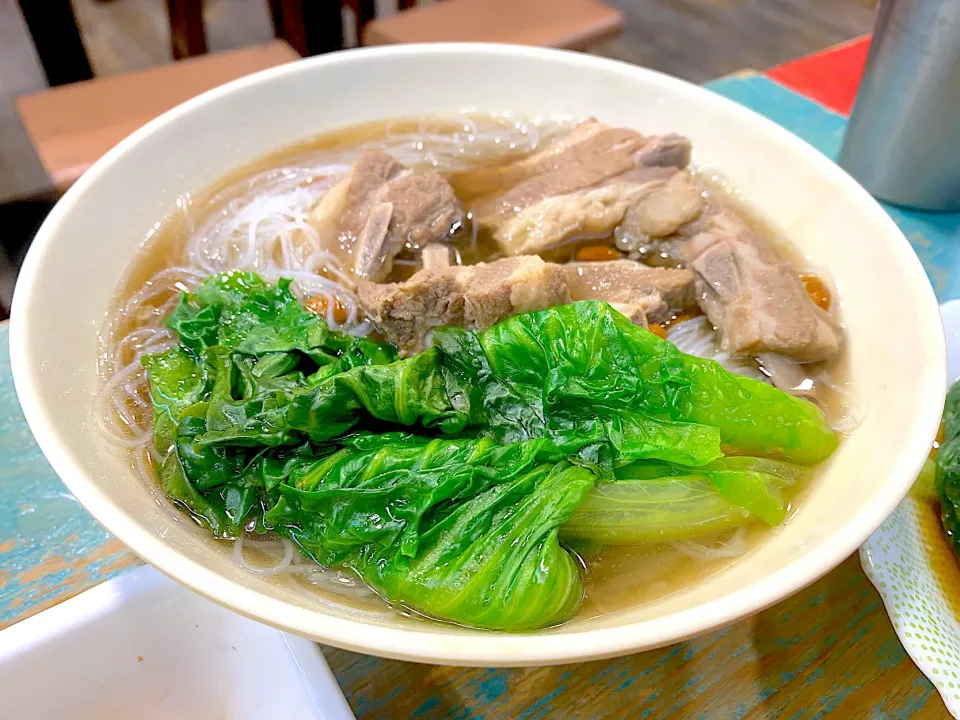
485	370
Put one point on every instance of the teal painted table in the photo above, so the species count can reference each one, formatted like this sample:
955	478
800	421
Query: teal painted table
829	650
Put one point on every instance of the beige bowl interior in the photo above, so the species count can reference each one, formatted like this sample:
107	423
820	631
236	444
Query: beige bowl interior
896	348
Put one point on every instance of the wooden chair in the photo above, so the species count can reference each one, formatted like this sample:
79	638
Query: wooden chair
73	125
56	38
571	24
311	27
314	26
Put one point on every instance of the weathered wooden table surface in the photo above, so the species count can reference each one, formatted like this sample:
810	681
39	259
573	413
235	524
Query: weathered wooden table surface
829	650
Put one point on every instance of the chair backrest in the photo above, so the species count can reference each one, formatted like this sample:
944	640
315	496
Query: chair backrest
310	27
570	24
73	125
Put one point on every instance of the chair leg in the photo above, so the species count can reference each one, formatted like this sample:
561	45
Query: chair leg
366	11
56	36
188	37
276	18
311	27
287	17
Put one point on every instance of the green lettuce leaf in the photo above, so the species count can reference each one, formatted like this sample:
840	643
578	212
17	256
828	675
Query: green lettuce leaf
948	468
447	480
177	381
588	356
220	398
601	438
181	491
660	502
755	484
651	511
241	311
406	392
494	561
381	493
603	390
460	530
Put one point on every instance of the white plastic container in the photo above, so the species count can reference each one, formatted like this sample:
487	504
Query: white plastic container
140	646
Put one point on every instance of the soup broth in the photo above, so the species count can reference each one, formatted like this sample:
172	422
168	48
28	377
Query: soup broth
258	218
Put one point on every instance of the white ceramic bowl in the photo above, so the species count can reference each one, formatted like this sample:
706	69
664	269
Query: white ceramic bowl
895	339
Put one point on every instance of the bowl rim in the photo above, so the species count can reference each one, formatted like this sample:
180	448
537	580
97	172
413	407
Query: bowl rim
428	644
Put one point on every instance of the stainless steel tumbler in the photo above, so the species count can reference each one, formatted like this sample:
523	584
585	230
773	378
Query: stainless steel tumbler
903	139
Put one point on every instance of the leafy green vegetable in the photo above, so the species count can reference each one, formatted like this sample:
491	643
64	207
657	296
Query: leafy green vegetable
286	377
924	488
241	311
495	561
179	488
446	480
598	386
754	484
462	530
380	494
660	502
245	412
948	468
219	398
587	356
177	381
601	438
406	392
651	511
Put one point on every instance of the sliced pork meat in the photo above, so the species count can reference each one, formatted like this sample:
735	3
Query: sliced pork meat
657	251
587	142
495	291
558	219
668	151
753	296
405	313
571	147
379	209
662	293
583	189
473	296
612	154
660	212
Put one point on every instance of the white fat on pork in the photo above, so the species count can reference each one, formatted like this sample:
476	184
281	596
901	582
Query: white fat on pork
582	189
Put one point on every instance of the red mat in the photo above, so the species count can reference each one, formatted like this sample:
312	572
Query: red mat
830	77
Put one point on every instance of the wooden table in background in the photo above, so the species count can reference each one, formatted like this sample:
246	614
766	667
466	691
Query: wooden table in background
828	650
